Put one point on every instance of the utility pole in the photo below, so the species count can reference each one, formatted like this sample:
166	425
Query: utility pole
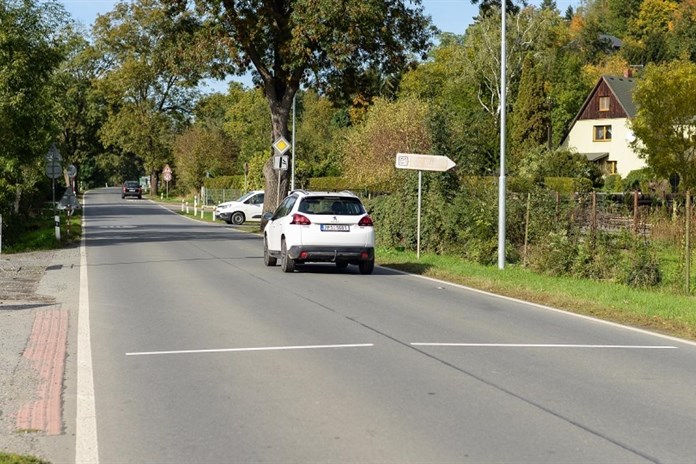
501	182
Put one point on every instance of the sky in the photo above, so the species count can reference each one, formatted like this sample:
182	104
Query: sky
447	15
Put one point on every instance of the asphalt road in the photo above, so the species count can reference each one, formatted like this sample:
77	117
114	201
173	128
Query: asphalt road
202	354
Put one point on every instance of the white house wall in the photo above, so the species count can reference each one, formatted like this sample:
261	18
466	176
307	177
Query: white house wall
581	140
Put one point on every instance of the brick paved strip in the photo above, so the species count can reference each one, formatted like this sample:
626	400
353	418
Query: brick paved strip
46	351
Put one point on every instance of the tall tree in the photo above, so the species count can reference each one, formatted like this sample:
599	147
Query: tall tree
389	128
319	135
79	111
682	34
647	39
153	65
319	42
531	118
664	125
198	152
248	123
31	49
488	7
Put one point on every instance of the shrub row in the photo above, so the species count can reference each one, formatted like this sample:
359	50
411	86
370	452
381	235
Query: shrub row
460	217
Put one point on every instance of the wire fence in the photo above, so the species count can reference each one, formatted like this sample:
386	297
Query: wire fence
665	219
213	197
642	214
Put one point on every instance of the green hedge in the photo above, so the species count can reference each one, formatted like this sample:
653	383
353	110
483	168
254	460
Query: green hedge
568	185
225	182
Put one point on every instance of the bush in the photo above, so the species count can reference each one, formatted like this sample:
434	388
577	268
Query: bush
568	185
638	179
641	267
613	183
555	255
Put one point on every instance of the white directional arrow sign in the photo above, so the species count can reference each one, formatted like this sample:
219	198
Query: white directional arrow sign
423	162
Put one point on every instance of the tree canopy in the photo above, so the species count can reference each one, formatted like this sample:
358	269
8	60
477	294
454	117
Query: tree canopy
664	124
312	41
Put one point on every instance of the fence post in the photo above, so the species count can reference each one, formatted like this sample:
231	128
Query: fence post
594	211
688	242
636	213
526	230
0	234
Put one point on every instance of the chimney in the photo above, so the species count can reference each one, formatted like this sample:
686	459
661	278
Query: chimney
628	73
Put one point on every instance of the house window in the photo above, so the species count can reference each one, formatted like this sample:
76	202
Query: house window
610	167
602	133
604	103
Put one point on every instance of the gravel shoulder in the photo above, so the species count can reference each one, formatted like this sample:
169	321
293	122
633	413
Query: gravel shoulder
31	284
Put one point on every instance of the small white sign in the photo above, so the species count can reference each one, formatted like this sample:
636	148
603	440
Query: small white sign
423	162
280	163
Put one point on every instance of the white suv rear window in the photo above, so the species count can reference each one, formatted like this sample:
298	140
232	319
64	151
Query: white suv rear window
345	206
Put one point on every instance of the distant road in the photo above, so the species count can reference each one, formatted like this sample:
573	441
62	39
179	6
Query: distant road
201	354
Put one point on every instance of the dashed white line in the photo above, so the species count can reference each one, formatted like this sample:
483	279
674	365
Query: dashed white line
551	345
238	350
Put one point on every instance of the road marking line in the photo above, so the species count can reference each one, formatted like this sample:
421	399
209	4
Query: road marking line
538	345
548	308
86	449
237	350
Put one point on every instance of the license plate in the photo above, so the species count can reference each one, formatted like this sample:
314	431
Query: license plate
334	228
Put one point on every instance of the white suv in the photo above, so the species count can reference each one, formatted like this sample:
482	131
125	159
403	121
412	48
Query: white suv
249	207
319	227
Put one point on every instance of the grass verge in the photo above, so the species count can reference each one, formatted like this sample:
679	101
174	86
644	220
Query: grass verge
39	233
6	458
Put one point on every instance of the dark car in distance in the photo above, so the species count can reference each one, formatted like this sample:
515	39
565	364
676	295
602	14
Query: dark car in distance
131	188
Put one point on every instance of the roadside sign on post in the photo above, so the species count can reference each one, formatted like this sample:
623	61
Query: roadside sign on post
53	170
281	145
280	163
422	163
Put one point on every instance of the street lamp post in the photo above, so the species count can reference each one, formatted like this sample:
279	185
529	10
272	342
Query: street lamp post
292	165
501	182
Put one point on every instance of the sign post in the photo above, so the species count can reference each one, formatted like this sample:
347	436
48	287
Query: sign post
54	170
422	163
167	176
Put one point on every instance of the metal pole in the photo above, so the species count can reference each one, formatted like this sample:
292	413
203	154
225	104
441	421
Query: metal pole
501	182
420	179
278	191
292	165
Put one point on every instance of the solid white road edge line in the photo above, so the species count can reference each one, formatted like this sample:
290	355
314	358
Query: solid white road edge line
540	345
549	308
237	350
86	450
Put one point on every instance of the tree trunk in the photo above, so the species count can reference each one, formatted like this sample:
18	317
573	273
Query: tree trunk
154	179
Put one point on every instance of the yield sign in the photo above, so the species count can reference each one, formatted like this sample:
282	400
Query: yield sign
281	145
423	162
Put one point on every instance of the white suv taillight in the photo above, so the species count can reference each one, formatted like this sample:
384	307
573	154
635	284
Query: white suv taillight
300	220
365	221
